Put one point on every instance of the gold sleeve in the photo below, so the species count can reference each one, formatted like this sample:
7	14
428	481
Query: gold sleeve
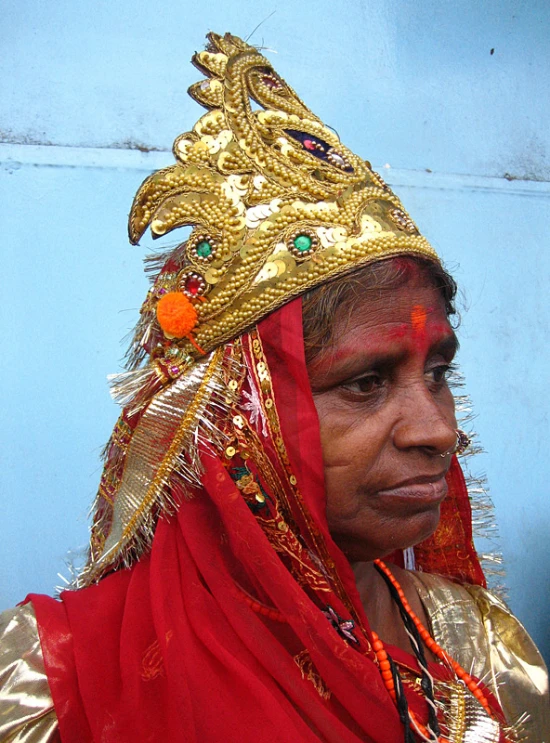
481	633
27	713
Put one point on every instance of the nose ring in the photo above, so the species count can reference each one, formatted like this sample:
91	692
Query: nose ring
463	441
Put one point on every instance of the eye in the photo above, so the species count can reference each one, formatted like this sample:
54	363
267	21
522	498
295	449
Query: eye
364	386
439	373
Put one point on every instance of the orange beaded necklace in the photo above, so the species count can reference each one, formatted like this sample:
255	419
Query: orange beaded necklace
383	659
385	665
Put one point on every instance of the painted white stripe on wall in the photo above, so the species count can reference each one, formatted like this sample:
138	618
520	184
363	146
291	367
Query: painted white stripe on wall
130	159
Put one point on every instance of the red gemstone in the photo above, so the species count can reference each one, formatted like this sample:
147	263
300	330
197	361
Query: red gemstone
193	285
308	144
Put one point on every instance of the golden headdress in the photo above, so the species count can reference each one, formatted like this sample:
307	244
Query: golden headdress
277	205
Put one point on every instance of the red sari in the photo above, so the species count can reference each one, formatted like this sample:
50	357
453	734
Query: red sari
222	630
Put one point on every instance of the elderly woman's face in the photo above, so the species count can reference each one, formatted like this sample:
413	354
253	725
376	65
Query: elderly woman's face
387	419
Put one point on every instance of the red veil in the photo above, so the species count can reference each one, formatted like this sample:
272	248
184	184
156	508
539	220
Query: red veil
242	622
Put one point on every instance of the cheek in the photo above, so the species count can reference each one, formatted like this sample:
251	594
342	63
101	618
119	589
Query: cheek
350	453
354	440
345	436
344	500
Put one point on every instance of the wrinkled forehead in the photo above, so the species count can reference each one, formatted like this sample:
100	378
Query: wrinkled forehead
413	313
405	292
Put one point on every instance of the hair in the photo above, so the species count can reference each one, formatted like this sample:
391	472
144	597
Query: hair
324	306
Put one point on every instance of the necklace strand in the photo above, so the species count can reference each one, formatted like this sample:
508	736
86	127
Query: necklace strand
432	645
387	667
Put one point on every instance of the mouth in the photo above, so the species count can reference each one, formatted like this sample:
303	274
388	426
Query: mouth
420	491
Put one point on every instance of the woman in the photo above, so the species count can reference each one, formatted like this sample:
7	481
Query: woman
292	426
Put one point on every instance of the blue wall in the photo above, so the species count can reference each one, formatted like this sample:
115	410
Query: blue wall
94	95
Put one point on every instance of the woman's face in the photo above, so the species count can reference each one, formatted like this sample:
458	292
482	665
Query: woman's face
387	417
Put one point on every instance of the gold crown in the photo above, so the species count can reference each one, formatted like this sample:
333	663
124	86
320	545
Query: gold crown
276	203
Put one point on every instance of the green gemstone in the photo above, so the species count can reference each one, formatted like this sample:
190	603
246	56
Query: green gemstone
302	243
204	249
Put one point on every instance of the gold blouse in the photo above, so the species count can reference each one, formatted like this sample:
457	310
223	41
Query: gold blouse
27	714
480	632
472	624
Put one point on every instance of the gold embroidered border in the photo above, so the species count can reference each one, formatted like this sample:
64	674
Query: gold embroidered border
262	379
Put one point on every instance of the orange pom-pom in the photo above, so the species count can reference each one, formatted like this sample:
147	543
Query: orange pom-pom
176	314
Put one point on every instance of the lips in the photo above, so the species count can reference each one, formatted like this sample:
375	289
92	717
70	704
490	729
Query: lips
419	491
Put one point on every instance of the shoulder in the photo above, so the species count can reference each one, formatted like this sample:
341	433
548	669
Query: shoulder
26	707
478	629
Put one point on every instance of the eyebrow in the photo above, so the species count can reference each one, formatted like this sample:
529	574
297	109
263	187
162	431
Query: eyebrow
356	361
448	345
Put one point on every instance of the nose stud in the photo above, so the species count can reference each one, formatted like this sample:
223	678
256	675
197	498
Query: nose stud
463	441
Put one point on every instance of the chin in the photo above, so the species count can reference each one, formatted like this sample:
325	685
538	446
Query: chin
430	524
425	525
397	536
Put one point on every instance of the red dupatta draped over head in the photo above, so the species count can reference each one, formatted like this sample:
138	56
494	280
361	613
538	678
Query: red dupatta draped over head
243	621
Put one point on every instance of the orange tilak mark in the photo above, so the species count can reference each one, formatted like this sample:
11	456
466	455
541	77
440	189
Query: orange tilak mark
418	319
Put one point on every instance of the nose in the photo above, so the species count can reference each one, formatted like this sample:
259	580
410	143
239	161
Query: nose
426	421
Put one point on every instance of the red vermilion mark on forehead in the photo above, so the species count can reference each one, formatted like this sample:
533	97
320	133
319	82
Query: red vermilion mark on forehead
399	332
441	328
